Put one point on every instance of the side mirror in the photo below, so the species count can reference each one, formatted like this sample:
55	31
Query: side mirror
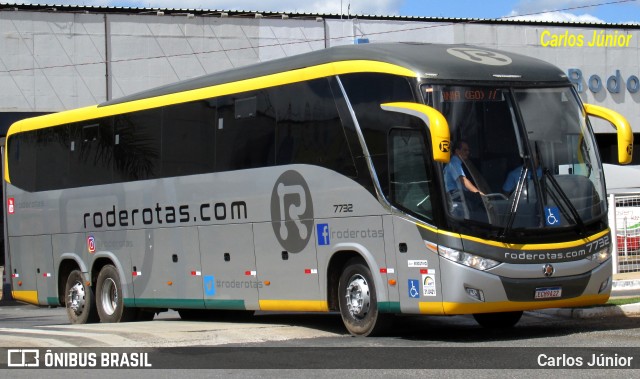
436	123
625	134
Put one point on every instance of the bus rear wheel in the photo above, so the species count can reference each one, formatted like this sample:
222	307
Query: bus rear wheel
499	320
109	301
357	300
80	301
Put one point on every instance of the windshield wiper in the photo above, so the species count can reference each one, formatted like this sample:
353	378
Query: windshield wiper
516	200
572	209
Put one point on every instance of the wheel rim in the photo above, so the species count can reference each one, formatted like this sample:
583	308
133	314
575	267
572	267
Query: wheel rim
109	296
358	296
76	298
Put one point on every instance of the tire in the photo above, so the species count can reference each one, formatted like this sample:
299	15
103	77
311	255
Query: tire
79	300
358	301
109	301
500	320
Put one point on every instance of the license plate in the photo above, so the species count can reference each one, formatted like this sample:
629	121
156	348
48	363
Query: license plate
548	292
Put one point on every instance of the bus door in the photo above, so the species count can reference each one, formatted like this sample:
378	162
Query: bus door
32	274
229	267
410	190
167	273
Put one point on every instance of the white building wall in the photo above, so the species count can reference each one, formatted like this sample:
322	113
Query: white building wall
149	51
50	61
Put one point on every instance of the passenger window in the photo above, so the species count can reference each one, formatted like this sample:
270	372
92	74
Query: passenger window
91	152
52	156
22	160
309	129
137	140
245	132
187	138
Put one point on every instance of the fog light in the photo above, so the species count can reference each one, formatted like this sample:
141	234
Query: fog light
475	293
604	285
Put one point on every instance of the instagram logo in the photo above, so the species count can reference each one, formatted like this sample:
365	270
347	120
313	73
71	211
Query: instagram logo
91	244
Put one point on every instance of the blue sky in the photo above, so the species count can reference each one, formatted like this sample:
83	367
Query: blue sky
611	11
570	10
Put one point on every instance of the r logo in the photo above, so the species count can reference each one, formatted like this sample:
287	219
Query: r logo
444	146
480	56
292	211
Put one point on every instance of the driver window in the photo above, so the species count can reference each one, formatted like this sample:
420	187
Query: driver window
408	170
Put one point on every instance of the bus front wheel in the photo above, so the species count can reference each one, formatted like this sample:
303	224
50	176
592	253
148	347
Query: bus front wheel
80	301
499	320
109	299
357	299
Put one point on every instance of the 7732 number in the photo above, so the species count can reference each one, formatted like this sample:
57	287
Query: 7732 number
342	208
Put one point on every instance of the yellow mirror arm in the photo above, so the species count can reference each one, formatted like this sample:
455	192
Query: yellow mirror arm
625	134
437	124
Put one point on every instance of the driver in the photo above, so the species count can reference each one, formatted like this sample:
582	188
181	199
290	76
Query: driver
454	176
456	180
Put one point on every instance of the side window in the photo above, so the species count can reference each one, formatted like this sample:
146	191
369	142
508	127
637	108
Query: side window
137	145
309	129
22	160
91	152
245	132
409	174
187	138
366	92
52	156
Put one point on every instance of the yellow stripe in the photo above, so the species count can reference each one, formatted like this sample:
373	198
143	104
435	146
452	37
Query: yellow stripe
307	73
510	306
293	76
434	308
30	297
294	305
521	246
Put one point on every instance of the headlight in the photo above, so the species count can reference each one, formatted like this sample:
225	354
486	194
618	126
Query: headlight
601	256
470	260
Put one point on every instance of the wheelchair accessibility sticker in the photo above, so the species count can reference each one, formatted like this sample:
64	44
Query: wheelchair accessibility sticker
414	291
552	216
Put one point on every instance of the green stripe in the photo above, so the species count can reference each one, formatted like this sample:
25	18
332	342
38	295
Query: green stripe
185	303
389	307
53	301
165	303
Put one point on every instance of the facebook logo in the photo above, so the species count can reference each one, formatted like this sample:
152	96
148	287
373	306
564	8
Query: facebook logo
323	234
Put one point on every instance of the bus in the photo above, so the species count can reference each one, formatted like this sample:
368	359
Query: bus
316	183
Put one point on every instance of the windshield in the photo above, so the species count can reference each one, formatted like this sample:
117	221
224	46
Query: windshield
520	158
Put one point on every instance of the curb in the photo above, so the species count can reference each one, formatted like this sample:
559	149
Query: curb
626	284
596	312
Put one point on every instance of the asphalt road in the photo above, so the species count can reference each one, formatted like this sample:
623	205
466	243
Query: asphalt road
279	344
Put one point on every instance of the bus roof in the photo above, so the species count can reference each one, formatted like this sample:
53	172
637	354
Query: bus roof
433	61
